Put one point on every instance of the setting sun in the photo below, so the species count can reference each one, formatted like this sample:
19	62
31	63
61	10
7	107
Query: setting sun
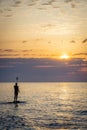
65	56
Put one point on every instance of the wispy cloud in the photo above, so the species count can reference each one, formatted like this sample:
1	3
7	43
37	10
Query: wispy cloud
8	9
48	26
67	1
27	50
73	3
44	66
8	50
73	41
1	11
9	55
17	3
48	2
85	54
33	2
24	41
8	15
84	41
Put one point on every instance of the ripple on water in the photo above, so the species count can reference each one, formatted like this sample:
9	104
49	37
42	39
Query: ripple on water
11	122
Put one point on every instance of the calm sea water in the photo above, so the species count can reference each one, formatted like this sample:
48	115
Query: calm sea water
44	106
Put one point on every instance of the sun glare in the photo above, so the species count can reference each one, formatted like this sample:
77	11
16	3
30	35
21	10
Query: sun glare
65	56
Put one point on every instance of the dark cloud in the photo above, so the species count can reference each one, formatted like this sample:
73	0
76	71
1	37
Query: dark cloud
27	50
84	41
8	9
85	54
17	3
43	69
72	41
4	66
71	2
67	1
73	5
24	41
1	11
8	15
32	2
8	50
50	2
9	55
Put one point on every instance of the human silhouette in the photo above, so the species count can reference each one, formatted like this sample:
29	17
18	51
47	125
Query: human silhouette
16	91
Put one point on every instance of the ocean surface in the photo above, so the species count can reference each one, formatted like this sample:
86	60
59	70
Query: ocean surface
44	106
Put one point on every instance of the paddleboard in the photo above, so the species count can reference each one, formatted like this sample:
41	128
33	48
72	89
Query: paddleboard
18	102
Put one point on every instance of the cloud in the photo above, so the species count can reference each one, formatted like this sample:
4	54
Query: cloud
6	66
67	1
46	26
55	6
50	2
9	15
24	41
8	50
1	11
44	66
17	3
41	8
38	69
71	2
85	54
27	50
72	41
73	5
8	9
33	2
84	41
9	53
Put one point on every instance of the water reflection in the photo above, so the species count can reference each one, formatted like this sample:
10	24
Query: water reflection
44	105
16	105
64	94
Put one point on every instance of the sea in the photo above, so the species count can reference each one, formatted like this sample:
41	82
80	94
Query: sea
44	106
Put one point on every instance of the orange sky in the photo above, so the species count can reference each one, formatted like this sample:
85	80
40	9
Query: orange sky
40	28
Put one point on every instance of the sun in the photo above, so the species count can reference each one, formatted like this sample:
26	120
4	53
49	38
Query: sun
65	56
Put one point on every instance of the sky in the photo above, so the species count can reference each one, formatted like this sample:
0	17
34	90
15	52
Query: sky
36	34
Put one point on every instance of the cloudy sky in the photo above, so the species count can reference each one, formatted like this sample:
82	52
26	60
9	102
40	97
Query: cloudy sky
36	34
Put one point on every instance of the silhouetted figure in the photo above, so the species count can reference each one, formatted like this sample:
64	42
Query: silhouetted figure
16	91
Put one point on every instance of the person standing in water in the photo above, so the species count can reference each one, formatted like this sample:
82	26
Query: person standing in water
16	90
